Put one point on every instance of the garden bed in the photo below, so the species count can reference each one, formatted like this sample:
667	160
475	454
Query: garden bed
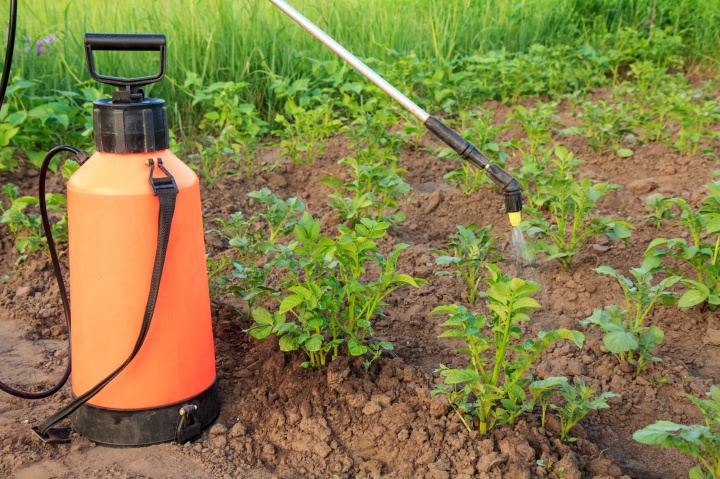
280	420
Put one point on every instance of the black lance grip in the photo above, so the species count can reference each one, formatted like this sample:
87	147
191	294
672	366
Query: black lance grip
135	42
510	187
125	41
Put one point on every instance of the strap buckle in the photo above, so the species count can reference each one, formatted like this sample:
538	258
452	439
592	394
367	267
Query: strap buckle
54	435
160	183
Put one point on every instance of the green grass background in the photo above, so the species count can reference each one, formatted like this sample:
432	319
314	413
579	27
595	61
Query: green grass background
250	40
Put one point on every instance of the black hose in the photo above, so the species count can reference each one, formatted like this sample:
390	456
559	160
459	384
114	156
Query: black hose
8	51
58	277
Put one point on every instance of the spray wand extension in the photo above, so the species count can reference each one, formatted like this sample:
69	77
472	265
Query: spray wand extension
510	187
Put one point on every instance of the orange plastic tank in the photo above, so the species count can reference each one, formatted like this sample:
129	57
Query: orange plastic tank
168	390
113	222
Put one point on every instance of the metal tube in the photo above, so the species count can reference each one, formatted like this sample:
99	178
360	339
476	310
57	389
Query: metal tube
351	59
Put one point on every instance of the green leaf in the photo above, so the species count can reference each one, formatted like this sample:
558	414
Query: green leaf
456	376
656	434
447	309
691	298
697	473
406	278
260	332
314	343
620	341
290	302
452	333
262	316
525	303
355	348
287	344
624	152
570	334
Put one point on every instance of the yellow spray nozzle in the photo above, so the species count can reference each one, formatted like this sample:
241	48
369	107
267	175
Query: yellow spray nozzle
515	218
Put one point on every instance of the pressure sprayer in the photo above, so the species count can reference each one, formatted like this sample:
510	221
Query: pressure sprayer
509	186
142	353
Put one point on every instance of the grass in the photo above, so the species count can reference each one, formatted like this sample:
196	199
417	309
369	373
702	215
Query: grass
246	40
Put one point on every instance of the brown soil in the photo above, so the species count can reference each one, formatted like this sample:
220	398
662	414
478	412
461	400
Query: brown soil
279	420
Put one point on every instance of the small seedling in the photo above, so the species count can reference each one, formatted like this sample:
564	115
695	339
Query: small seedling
625	335
579	401
470	250
543	391
659	208
492	391
700	441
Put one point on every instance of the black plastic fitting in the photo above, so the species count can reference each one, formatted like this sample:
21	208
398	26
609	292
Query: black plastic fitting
510	187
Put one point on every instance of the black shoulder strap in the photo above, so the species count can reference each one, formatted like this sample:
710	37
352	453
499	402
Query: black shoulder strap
166	191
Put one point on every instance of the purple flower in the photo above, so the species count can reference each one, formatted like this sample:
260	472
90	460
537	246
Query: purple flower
48	40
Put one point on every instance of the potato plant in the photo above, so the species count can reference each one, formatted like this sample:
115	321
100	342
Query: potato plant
605	126
537	171
579	401
232	129
571	205
490	391
373	191
537	124
542	391
470	250
26	227
700	252
254	240
328	299
307	121
699	441
626	336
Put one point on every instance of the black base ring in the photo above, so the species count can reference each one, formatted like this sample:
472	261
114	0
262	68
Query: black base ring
142	427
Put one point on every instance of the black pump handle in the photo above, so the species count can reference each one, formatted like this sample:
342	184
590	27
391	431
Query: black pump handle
125	42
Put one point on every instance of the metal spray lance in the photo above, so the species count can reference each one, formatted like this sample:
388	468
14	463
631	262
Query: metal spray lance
510	187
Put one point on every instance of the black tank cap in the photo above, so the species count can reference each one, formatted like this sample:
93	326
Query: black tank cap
128	122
